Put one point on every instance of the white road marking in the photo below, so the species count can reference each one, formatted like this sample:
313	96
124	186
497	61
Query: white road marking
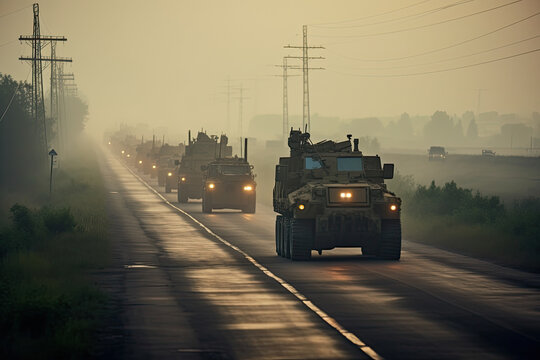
323	315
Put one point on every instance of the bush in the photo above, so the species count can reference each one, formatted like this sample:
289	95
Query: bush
58	220
22	218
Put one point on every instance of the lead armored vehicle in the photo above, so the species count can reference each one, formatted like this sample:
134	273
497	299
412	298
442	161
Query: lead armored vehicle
437	153
330	195
229	183
198	153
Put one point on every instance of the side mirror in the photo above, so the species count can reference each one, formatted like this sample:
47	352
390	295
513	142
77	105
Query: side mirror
204	167
176	162
388	171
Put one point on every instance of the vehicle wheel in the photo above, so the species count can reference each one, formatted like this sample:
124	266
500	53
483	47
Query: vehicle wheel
167	188
182	196
287	237
206	204
301	239
390	244
279	220
250	207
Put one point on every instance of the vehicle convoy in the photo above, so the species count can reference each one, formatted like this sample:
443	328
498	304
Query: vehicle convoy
330	195
199	152
229	183
437	153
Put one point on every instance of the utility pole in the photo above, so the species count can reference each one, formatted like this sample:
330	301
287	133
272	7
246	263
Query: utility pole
285	76
241	99
306	118
37	42
228	104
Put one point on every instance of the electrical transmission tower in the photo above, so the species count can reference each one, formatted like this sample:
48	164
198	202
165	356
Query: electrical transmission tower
306	119
37	42
241	99
285	76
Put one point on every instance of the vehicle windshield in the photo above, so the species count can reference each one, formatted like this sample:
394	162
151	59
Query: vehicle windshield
235	169
311	164
349	164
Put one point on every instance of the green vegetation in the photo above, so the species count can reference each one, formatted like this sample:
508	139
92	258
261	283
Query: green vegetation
49	307
465	221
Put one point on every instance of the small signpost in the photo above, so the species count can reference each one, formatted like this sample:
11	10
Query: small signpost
52	154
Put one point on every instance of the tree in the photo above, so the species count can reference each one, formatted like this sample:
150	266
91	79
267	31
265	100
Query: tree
472	130
439	128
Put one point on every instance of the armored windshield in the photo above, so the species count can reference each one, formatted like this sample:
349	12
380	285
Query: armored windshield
350	164
235	169
311	164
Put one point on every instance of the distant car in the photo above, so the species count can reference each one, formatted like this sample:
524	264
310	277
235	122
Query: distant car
437	153
486	152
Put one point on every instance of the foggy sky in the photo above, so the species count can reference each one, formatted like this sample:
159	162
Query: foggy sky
166	62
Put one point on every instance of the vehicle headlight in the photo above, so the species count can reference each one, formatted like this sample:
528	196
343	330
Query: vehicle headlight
128	155
301	207
345	195
183	179
169	174
211	186
140	161
123	151
248	188
393	207
153	166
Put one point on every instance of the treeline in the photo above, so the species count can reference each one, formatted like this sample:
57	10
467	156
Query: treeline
21	156
466	221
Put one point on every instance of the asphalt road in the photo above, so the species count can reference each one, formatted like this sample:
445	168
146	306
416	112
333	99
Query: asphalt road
233	297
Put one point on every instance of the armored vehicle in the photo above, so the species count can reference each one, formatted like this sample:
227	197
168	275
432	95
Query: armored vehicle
229	183
330	195
437	153
165	164
199	152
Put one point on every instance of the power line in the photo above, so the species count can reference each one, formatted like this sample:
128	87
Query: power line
449	46
443	70
372	16
15	11
455	57
421	26
417	15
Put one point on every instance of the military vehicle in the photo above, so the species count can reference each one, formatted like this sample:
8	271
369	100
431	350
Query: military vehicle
330	195
165	165
199	152
437	153
229	183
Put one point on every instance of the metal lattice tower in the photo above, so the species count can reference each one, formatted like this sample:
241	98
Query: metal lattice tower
285	77
38	42
306	118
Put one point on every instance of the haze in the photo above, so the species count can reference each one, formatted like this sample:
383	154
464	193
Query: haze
166	63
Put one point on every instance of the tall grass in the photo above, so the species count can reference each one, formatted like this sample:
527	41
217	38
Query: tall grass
462	220
49	307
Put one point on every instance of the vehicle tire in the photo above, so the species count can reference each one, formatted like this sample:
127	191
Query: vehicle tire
206	204
390	243
287	237
279	221
182	196
167	188
301	238
250	207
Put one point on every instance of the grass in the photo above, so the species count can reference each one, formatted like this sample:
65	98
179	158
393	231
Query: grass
49	306
464	221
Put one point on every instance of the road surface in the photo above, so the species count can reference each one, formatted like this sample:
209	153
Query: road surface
210	286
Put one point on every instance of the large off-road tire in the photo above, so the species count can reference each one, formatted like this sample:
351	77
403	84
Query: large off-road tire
301	238
206	204
287	237
250	206
182	196
390	243
279	223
